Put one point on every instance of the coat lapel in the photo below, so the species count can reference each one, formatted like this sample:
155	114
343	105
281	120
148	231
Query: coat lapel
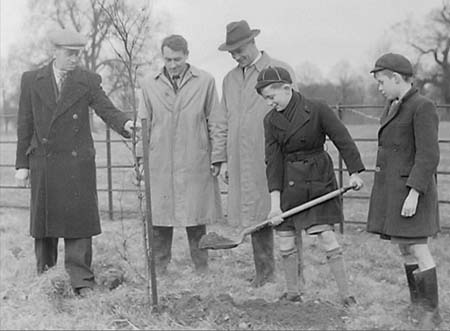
73	89
279	120
301	117
388	114
45	87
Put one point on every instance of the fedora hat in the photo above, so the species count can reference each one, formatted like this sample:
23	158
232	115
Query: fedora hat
238	34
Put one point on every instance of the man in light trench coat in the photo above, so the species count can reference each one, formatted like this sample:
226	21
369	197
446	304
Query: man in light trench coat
238	144
56	155
177	102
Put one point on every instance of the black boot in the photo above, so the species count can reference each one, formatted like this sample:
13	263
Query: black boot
199	256
262	243
428	299
162	238
413	308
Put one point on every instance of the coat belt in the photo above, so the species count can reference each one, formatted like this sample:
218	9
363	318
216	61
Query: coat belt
302	155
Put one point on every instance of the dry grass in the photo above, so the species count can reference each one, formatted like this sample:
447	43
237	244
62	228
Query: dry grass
47	302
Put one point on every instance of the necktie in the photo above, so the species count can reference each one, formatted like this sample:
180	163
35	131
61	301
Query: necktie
175	79
61	79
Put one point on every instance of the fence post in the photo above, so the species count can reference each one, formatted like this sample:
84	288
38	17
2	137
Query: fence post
340	171
109	173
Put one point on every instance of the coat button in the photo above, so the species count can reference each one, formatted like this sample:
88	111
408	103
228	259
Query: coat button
74	153
75	116
291	183
44	140
377	169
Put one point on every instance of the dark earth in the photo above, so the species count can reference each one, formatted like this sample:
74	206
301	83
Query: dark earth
190	310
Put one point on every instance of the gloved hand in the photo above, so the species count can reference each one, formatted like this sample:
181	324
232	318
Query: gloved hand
22	177
274	217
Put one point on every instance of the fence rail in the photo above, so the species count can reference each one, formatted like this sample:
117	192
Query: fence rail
340	169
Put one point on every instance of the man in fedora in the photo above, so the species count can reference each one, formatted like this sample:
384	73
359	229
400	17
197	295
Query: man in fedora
56	155
238	143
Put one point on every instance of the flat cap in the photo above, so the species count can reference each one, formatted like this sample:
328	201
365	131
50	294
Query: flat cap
394	62
67	39
272	75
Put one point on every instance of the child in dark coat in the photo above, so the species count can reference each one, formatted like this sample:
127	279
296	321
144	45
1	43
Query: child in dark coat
404	203
299	169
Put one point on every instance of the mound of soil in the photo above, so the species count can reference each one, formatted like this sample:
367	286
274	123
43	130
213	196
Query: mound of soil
190	310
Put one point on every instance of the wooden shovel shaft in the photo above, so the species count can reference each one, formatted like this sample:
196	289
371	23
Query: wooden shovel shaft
298	209
316	201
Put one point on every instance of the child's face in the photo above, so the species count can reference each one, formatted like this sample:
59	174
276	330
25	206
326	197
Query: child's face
277	98
387	85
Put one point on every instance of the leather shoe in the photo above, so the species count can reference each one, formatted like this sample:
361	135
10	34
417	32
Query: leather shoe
83	291
291	297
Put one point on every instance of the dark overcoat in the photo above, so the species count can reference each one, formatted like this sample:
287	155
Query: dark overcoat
297	164
408	156
55	143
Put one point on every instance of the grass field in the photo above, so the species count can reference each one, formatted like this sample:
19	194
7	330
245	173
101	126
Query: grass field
220	299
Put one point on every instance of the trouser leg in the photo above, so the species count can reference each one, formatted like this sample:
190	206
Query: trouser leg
46	251
162	237
199	256
262	244
78	260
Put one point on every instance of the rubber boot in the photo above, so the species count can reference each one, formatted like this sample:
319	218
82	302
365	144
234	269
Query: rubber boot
262	243
290	267
199	256
412	309
428	299
337	267
162	237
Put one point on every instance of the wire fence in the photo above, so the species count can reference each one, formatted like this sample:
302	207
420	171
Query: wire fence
365	114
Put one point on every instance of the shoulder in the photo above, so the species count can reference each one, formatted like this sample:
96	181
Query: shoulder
421	103
29	75
231	73
319	104
203	74
268	117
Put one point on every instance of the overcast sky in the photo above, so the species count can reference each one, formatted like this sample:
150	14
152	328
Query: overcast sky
319	31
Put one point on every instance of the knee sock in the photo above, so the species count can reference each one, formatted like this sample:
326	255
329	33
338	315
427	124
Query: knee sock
337	266
290	266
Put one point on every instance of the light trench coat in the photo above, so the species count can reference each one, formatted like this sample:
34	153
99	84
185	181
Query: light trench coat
183	191
238	138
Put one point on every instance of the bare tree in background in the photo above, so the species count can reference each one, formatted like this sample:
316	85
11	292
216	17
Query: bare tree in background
131	29
91	18
431	41
348	84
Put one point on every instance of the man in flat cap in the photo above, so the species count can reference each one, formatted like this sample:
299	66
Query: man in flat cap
404	202
56	155
238	143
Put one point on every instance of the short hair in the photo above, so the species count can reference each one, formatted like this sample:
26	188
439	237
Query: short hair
176	43
390	73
